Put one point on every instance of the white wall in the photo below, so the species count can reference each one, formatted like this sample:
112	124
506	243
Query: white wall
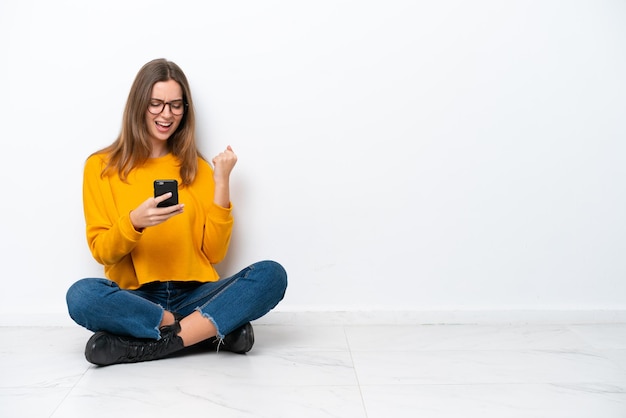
393	155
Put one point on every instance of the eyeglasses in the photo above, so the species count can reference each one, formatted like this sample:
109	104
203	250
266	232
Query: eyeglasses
177	107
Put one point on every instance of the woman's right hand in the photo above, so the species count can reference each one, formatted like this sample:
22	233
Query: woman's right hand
148	214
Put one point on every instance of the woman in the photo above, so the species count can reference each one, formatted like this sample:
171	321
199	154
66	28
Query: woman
162	293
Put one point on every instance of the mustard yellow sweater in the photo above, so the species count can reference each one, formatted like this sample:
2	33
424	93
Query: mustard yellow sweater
184	248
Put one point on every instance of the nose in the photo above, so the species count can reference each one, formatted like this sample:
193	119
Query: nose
167	110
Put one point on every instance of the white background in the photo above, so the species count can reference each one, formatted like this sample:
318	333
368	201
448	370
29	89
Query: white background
393	155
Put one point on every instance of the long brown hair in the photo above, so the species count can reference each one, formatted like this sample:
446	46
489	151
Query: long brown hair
132	147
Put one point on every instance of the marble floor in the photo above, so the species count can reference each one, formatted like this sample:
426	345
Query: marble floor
503	371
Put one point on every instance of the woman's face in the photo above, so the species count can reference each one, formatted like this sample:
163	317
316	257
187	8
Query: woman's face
165	111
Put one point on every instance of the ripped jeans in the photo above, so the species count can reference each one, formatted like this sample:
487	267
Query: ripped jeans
100	305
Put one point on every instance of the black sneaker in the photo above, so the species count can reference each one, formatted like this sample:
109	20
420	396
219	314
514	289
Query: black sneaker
104	349
239	341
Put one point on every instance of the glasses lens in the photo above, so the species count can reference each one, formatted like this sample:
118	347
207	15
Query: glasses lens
177	107
155	107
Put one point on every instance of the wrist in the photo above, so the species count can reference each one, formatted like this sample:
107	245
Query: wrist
221	179
133	223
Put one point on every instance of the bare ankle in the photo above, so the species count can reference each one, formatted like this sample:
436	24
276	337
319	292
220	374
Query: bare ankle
196	328
168	319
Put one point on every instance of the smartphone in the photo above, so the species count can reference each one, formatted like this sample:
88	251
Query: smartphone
163	186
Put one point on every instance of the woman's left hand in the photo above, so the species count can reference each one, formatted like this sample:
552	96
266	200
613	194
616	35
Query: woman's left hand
223	164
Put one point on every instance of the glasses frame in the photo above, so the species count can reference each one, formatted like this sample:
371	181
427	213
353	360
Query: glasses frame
184	108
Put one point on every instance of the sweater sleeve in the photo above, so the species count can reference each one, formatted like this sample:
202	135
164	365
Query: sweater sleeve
110	235
217	232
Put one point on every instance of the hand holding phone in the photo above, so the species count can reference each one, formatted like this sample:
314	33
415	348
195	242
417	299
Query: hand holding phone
147	214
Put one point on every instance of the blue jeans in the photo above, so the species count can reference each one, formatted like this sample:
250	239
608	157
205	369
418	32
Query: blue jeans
100	304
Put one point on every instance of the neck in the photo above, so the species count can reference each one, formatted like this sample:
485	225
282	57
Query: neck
158	152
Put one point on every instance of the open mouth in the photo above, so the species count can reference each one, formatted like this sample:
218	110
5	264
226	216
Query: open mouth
163	126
